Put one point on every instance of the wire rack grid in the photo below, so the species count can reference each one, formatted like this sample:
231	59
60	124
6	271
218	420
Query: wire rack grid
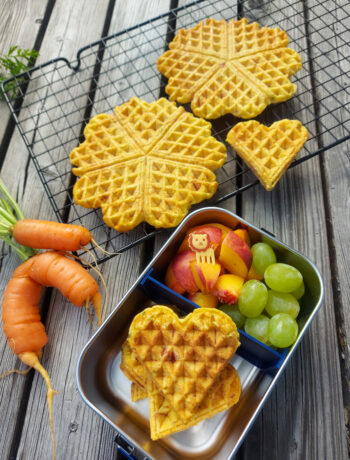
55	100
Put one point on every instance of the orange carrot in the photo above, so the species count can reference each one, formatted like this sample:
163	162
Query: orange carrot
43	234
20	311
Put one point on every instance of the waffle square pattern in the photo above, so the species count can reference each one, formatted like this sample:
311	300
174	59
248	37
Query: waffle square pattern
229	67
268	151
146	162
222	395
182	356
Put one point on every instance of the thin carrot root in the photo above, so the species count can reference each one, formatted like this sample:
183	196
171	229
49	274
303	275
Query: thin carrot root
87	308
31	359
94	242
97	304
15	371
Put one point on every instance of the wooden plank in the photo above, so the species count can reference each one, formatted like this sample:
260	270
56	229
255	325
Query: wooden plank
80	433
19	174
331	71
304	416
19	25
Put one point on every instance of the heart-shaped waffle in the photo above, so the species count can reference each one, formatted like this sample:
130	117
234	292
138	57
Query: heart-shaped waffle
229	67
268	151
147	162
184	356
223	394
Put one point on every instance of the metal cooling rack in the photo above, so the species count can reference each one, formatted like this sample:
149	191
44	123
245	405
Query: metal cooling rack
55	100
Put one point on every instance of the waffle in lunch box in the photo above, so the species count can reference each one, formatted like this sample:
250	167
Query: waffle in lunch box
223	394
146	162
229	67
182	357
268	151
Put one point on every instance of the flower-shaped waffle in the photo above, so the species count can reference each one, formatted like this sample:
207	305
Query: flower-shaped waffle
146	162
229	67
268	151
183	356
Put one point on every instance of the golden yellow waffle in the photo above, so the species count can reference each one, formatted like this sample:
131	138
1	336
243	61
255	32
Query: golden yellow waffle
229	67
183	356
146	162
134	370
222	395
268	151
137	392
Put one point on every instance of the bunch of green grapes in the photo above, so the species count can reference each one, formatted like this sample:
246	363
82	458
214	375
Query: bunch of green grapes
267	310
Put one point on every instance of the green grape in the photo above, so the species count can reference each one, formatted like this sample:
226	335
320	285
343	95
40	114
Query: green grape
258	327
298	293
263	256
281	302
252	298
283	277
282	330
234	313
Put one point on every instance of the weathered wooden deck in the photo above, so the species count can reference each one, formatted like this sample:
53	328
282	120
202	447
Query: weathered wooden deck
307	416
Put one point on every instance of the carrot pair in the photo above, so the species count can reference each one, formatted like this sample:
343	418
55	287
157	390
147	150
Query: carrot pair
22	324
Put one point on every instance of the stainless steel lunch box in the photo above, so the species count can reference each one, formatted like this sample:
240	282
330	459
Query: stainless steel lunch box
106	390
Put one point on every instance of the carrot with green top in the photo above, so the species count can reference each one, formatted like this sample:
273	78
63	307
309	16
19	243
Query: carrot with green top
22	324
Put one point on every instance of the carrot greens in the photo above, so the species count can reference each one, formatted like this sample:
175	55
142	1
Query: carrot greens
10	212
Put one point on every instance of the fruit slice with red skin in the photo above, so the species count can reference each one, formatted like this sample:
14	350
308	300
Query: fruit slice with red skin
223	228
214	235
204	300
243	233
235	255
205	275
181	268
172	282
228	288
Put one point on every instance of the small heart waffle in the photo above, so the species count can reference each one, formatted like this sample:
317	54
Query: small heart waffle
147	162
183	356
268	151
229	67
223	394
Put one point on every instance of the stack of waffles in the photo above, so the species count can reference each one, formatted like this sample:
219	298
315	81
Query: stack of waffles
182	366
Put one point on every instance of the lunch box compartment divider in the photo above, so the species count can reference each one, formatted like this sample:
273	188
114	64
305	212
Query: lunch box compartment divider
254	351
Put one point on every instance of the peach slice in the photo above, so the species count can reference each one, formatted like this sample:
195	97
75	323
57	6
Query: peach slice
254	275
214	236
235	255
205	275
180	273
204	300
223	228
172	282
228	288
243	233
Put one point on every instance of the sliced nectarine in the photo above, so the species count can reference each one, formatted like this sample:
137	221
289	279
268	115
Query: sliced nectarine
172	282
214	236
181	267
205	275
243	233
227	288
235	255
204	300
254	275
